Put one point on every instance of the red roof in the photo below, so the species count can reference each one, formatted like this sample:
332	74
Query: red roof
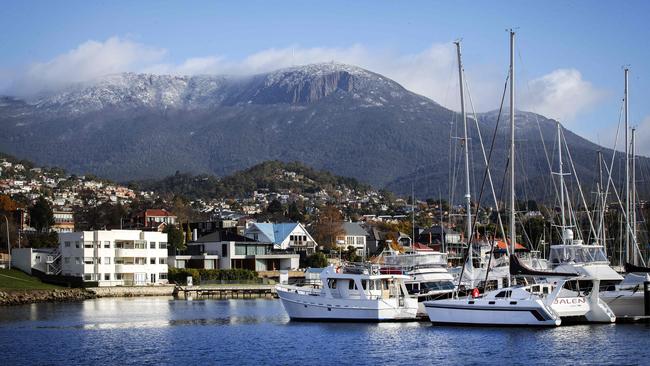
502	245
421	248
157	212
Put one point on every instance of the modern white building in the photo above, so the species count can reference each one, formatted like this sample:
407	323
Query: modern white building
28	259
115	257
227	250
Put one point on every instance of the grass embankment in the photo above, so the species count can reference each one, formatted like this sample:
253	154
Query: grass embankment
13	279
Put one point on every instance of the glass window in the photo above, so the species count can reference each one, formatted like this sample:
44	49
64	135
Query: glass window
107	276
77	260
107	244
107	260
119	276
67	244
162	260
88	244
152	245
76	244
250	250
162	245
224	250
240	249
66	260
162	276
152	260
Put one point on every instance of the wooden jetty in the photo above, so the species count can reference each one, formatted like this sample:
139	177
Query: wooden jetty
225	291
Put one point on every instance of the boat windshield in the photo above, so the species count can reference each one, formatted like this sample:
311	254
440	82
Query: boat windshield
416	260
577	254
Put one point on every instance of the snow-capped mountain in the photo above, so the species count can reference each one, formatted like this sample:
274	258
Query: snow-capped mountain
338	117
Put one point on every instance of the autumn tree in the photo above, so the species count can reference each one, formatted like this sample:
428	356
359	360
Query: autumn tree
328	226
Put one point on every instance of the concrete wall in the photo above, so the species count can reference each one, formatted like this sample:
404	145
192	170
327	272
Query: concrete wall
158	290
21	258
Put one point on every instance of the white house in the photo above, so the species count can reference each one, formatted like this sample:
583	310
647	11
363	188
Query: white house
225	249
353	235
115	257
28	259
283	236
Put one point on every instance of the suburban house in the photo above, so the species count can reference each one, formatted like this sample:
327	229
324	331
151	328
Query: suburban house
283	236
353	235
225	249
438	234
114	257
154	219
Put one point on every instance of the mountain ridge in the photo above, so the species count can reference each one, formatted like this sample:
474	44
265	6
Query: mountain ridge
336	117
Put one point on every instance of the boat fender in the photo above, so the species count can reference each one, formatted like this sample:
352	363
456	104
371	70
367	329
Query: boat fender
475	292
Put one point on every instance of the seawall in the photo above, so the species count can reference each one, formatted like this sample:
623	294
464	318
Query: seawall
166	290
20	297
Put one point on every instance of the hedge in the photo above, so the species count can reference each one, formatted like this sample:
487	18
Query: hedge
179	275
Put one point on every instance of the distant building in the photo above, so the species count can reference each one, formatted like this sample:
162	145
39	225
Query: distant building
155	219
115	257
225	249
283	236
63	221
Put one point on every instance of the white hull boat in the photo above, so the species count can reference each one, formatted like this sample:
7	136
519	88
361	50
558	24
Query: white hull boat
626	299
350	295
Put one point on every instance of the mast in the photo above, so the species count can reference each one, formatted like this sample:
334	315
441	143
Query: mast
627	172
468	202
633	200
513	233
561	174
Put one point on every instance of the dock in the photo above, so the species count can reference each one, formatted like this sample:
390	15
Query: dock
633	319
225	291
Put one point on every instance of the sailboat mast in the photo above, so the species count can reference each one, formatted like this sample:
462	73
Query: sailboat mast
633	200
468	201
561	174
513	233
627	172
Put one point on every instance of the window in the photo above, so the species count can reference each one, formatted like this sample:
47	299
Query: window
162	260
152	245
152	260
66	260
77	260
240	250
76	244
107	276
119	260
67	244
89	260
107	244
162	245
87	277
224	250
162	276
88	244
140	260
140	244
107	260
119	276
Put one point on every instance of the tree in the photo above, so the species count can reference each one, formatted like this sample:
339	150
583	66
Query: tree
317	260
294	213
40	214
7	204
175	238
350	255
275	207
328	227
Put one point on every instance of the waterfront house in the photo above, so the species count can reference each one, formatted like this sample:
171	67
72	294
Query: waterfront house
115	257
353	235
283	236
225	249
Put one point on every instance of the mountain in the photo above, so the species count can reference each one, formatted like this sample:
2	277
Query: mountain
335	117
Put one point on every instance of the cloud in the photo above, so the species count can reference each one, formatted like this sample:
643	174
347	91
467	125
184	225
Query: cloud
86	62
561	94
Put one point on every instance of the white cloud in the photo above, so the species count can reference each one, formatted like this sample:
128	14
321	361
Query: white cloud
88	61
561	94
432	72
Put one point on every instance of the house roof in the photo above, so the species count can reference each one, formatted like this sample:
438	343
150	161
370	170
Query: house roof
276	232
222	235
157	212
353	229
422	248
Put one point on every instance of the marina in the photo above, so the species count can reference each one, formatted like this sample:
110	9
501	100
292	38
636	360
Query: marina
253	332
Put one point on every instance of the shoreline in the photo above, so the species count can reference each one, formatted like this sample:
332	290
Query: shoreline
11	297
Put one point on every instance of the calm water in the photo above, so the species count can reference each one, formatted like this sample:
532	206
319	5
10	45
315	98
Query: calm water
257	332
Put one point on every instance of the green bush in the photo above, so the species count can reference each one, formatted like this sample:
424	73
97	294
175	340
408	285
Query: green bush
179	275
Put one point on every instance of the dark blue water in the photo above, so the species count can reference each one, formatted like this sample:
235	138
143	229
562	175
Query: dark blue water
257	332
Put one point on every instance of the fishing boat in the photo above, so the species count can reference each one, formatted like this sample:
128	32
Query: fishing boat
350	293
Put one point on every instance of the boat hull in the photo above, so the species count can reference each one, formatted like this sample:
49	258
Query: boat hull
491	313
308	307
624	303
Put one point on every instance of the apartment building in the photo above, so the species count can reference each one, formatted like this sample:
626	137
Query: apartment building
115	257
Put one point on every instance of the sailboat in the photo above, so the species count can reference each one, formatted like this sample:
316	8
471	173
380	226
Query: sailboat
512	306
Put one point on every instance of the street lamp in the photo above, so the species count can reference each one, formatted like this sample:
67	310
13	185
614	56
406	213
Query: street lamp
8	242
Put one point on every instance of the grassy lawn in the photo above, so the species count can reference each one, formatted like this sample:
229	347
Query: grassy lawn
13	279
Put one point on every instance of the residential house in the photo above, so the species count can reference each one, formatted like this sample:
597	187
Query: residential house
283	236
155	219
63	221
353	235
225	249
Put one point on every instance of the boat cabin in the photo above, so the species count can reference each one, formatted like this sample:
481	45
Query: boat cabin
362	286
577	254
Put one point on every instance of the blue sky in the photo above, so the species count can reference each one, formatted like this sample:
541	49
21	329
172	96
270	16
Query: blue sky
570	53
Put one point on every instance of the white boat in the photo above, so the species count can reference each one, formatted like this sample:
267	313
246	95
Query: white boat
428	277
357	293
512	306
627	299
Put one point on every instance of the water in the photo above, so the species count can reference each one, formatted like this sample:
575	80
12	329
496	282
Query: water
258	332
